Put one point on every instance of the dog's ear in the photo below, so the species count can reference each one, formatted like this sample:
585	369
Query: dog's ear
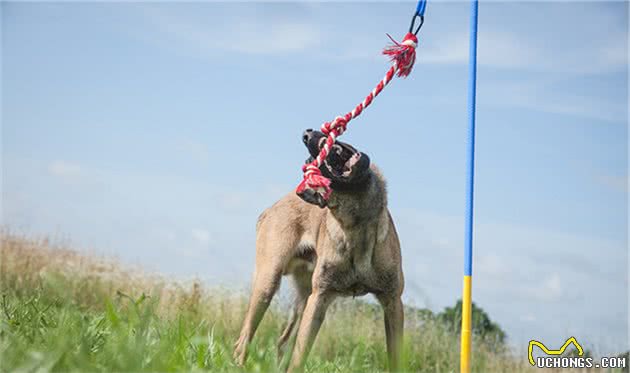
312	197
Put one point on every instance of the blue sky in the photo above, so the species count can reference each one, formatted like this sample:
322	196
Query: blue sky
158	132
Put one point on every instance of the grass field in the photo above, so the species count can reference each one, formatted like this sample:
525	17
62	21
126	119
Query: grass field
63	311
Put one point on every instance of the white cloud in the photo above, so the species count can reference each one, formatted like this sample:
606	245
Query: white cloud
552	97
501	50
507	50
492	263
506	40
247	34
521	274
551	288
614	182
528	317
201	236
197	150
452	49
276	38
170	236
232	201
64	169
574	104
508	44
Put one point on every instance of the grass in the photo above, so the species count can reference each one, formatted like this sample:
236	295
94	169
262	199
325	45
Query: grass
63	311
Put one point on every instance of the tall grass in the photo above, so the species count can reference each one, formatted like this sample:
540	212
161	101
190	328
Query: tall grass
63	311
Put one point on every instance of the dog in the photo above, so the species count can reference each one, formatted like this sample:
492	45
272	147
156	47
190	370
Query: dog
344	246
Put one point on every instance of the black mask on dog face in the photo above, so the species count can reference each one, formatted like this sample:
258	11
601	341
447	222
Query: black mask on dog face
346	167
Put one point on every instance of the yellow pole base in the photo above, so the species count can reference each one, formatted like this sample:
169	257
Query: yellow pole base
464	366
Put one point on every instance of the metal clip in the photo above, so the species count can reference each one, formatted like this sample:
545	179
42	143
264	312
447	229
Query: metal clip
413	21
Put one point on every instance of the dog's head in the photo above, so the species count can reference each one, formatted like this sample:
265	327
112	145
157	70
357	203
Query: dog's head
346	167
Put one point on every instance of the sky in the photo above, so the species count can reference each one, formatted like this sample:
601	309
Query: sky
158	132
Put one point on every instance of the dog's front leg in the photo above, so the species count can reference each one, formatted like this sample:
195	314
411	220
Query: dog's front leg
312	319
394	320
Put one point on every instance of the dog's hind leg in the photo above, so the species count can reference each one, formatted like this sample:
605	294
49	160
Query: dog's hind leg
266	282
394	320
302	284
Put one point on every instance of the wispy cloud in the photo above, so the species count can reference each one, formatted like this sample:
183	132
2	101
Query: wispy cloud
249	35
528	318
520	48
603	176
614	182
64	169
201	236
554	97
528	52
280	37
197	150
550	289
452	49
537	269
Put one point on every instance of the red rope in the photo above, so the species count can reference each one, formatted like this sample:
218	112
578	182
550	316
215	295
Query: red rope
403	55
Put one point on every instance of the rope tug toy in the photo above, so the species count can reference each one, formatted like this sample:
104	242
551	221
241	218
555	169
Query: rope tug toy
402	56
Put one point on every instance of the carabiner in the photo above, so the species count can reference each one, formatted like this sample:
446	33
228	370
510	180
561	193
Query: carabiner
413	21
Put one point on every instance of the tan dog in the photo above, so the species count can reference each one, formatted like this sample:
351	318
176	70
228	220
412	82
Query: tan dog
346	246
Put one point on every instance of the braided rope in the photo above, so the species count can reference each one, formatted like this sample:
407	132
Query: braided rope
403	57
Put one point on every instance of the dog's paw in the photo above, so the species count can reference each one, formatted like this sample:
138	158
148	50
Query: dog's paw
240	351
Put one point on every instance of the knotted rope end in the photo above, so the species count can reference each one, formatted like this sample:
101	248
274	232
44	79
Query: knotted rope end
403	54
314	187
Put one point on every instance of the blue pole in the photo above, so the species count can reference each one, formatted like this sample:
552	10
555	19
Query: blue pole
470	181
470	169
